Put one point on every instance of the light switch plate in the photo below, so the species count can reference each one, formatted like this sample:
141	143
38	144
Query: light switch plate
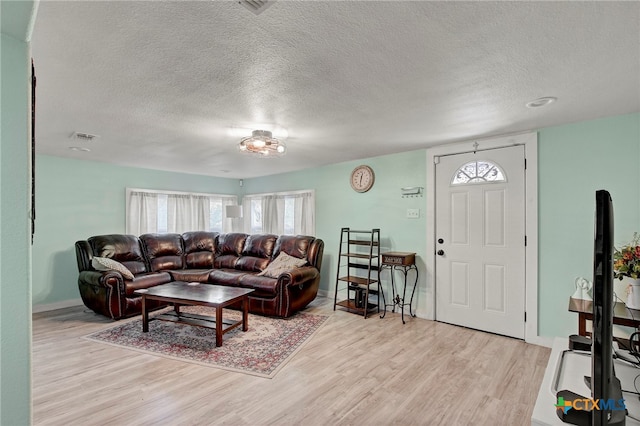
413	213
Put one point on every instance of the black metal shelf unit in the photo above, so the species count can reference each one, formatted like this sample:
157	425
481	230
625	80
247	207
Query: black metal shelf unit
358	269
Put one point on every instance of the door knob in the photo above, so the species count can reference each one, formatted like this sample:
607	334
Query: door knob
440	241
440	252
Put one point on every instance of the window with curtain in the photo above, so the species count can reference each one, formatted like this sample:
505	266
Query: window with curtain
280	213
151	211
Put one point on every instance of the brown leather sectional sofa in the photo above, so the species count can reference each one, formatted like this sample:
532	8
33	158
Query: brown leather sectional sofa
232	259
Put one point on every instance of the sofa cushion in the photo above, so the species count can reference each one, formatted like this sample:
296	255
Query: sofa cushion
228	250
164	251
199	249
190	275
125	249
145	281
283	263
257	252
106	264
263	286
293	245
229	277
226	261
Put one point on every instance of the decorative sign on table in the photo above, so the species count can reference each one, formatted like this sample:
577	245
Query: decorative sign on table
398	258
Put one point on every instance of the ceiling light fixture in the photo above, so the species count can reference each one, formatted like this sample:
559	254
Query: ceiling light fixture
263	144
540	102
79	148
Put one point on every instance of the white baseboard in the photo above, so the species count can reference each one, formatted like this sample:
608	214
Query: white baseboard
44	307
542	341
323	293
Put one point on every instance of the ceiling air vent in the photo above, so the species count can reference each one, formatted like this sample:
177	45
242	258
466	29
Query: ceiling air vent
256	6
85	137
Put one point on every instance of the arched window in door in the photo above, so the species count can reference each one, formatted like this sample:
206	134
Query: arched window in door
478	172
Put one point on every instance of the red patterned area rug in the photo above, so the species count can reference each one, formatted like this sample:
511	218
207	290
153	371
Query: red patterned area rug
261	351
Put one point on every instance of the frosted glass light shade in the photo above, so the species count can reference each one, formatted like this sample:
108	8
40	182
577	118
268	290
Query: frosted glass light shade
263	144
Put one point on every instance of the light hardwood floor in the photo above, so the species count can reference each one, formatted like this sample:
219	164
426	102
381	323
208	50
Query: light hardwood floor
352	372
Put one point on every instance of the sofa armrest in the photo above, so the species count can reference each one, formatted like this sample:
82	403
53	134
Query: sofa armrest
299	288
103	292
299	276
102	278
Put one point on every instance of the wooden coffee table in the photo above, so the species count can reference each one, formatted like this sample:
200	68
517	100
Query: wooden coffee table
197	294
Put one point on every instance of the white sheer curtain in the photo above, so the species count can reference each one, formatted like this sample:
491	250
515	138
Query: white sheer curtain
187	213
247	215
231	224
304	213
278	213
273	214
142	215
152	211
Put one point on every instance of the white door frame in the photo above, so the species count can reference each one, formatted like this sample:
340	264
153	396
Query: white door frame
530	142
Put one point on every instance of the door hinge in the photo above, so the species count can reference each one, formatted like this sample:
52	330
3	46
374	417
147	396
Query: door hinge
525	240
525	164
525	316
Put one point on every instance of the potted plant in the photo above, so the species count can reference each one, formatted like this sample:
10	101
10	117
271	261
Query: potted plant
626	264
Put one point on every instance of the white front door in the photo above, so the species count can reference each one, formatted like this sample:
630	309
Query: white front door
480	240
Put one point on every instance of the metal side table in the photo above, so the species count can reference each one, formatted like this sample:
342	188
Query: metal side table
403	262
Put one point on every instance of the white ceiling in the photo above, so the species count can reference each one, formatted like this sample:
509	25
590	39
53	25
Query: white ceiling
164	84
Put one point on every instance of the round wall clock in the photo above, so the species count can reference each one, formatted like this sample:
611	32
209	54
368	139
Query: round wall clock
362	178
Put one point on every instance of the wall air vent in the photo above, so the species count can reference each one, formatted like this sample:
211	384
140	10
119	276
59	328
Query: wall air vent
85	137
256	6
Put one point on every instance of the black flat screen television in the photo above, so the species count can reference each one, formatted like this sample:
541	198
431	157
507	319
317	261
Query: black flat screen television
604	385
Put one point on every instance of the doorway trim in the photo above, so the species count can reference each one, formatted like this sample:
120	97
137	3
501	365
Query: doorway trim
530	142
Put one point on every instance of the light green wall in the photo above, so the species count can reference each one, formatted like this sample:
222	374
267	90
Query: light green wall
78	199
337	206
15	251
575	160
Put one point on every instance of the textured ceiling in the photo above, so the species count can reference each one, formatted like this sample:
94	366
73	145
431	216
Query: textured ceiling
166	85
